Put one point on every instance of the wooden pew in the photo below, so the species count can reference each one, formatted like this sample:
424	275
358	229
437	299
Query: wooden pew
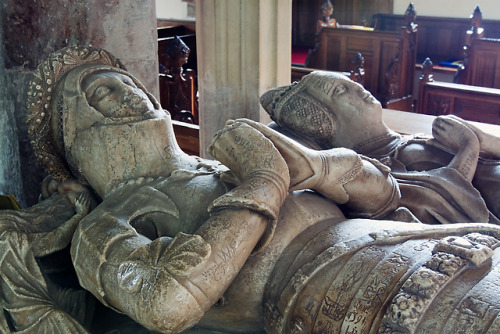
187	134
188	137
173	30
298	72
473	103
187	23
178	82
167	34
439	38
390	58
482	63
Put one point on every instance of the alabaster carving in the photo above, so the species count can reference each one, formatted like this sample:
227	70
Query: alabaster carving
447	178
28	293
276	236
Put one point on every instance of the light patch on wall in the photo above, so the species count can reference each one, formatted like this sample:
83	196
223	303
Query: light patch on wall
450	8
171	9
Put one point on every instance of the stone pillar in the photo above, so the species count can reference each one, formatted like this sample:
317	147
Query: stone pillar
31	30
244	48
127	29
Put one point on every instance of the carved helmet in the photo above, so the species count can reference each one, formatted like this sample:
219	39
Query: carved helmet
51	95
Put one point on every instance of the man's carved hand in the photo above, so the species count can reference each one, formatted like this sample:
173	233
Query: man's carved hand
324	171
262	172
82	203
246	151
301	161
45	243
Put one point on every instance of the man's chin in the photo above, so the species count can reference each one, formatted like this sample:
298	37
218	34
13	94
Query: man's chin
155	114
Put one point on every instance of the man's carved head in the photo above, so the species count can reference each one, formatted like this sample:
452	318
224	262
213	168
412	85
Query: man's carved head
73	89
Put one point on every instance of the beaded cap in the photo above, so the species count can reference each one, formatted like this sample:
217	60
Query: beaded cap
292	108
44	121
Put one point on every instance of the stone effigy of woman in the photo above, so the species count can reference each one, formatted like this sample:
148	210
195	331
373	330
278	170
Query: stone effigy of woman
450	177
177	241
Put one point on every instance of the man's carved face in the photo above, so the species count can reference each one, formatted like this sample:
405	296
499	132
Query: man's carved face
115	95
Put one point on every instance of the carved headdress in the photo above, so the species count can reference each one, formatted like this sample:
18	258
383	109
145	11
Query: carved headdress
292	108
52	93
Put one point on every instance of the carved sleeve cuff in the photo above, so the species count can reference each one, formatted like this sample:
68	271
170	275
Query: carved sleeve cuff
263	192
339	166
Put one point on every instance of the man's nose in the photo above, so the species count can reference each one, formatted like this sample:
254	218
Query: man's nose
127	93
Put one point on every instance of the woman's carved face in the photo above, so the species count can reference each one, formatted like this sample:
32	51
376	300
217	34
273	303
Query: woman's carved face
344	97
325	106
115	95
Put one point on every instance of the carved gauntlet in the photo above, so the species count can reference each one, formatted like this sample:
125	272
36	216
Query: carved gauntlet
261	170
331	170
325	171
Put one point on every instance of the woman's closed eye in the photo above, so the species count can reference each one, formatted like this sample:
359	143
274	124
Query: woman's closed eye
340	89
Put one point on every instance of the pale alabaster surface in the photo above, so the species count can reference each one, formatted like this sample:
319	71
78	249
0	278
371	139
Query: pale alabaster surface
326	221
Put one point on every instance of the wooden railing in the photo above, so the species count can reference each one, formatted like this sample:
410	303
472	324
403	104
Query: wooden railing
482	64
469	102
439	38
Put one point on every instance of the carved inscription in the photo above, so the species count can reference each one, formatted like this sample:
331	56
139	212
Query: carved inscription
229	240
243	142
335	306
168	153
333	309
308	309
374	292
273	318
474	315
